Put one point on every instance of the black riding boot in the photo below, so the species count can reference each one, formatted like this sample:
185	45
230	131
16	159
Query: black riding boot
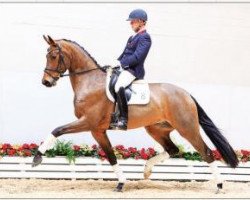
123	108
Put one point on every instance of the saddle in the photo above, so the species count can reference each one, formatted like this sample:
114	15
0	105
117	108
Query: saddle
137	93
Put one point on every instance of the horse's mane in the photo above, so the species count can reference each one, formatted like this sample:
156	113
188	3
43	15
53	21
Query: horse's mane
94	60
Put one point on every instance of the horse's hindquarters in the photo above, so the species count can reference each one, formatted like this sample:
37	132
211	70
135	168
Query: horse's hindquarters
151	113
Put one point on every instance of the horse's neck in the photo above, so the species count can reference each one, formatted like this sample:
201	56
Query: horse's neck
88	83
85	84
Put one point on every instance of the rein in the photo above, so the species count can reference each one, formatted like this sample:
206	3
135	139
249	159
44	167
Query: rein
82	72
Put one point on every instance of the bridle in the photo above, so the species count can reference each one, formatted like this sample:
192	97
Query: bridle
59	69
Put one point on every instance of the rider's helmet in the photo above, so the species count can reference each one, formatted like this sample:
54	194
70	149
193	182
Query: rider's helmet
138	14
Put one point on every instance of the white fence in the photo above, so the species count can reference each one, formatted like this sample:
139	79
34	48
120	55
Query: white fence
92	168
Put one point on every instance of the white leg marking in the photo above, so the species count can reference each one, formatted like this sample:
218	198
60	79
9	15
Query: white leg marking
152	161
215	171
119	173
217	177
47	144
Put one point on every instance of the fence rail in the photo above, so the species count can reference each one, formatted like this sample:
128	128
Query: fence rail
93	168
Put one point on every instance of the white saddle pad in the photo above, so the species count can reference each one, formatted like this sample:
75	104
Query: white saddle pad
140	91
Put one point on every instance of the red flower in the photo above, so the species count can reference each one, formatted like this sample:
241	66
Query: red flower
11	152
120	147
245	153
20	148
94	146
132	150
101	153
33	146
217	155
27	152
143	154
77	148
26	146
6	146
126	154
151	151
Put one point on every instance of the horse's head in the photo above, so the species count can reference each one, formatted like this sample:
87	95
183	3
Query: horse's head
56	64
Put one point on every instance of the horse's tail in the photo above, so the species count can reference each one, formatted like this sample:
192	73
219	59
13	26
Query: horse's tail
216	137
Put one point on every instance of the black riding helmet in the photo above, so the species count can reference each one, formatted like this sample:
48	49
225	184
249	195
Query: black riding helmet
138	14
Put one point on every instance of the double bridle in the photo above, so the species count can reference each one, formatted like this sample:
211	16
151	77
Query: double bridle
59	69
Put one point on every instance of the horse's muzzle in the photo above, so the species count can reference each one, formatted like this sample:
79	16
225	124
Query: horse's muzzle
48	83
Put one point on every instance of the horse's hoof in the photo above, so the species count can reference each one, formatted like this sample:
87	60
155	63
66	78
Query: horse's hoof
37	160
219	188
119	187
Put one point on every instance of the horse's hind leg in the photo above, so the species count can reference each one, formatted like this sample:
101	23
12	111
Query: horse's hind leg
161	133
197	142
188	127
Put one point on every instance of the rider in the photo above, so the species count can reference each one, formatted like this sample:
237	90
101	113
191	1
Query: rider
132	61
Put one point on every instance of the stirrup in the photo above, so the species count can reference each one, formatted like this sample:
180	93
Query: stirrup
114	120
122	124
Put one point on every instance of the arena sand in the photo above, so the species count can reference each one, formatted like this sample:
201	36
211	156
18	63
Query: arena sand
40	188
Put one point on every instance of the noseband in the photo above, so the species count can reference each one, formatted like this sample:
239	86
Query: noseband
61	71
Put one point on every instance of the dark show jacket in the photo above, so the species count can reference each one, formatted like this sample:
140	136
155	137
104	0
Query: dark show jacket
135	53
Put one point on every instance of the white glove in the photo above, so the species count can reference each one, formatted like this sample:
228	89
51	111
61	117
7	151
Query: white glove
116	63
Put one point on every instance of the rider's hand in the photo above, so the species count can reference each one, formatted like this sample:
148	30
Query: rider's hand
115	64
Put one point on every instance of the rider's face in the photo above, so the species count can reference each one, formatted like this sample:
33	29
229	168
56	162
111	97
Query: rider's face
136	24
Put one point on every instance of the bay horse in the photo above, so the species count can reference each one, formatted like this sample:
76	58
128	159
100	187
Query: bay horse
170	108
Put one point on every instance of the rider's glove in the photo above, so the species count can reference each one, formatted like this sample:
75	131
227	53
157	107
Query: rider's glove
116	64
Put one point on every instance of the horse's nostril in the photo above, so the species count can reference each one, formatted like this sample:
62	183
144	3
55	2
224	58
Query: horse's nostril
46	83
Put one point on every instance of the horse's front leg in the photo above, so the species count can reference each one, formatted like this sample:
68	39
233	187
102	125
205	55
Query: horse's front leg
102	139
74	127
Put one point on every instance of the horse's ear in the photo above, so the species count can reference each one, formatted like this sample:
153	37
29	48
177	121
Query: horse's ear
46	39
51	41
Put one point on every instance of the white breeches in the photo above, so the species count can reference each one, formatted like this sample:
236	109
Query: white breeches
125	79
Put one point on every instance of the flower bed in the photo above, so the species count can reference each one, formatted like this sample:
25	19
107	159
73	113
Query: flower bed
73	151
